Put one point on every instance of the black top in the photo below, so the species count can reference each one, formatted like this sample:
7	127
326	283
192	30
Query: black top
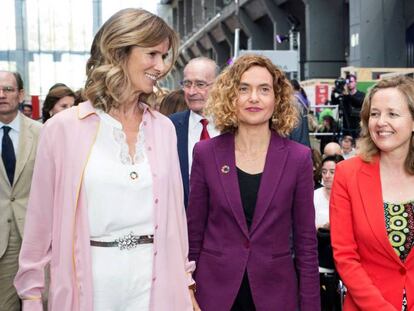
249	187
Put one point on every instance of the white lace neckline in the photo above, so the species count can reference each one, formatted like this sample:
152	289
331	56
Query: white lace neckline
120	138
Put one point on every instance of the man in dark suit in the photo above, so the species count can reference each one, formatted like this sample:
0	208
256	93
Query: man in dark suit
18	137
191	125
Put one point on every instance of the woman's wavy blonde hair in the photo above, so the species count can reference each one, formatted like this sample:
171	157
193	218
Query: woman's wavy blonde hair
222	101
366	146
108	84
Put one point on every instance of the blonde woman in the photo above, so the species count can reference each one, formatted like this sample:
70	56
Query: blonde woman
250	214
372	204
106	206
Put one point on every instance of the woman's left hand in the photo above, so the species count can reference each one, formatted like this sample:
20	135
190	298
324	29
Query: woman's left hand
196	307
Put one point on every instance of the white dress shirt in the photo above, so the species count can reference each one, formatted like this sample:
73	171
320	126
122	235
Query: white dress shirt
350	154
13	133
194	132
321	204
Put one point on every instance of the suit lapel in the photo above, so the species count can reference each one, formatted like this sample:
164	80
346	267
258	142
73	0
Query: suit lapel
276	157
369	182
182	136
226	168
3	174
25	147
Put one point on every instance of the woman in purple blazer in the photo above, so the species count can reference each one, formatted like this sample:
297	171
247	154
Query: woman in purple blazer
250	215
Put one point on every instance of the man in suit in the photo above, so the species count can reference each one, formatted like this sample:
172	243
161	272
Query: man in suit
18	136
191	125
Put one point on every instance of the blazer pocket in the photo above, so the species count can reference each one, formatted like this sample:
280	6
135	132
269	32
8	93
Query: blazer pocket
281	255
211	252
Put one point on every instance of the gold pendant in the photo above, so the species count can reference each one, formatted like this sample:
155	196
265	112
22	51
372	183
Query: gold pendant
133	175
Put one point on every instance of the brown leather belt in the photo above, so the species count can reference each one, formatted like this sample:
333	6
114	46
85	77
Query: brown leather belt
127	242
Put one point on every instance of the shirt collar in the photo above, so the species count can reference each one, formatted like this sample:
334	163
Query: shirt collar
86	109
15	124
196	118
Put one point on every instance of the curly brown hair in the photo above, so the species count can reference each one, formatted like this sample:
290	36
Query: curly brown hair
108	84
366	146
222	101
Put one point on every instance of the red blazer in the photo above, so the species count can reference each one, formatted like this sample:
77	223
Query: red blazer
368	265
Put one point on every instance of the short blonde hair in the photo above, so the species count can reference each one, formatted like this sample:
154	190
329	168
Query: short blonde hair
222	101
108	84
366	146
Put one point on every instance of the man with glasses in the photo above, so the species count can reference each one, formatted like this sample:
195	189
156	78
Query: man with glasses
191	125
18	137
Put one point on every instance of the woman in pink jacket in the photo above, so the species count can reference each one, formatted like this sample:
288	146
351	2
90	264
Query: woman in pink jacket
106	206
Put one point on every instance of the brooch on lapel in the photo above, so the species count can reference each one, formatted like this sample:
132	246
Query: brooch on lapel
225	169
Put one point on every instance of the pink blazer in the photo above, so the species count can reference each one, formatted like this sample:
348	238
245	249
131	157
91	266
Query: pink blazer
56	228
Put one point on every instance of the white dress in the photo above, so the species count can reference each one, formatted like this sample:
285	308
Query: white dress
118	205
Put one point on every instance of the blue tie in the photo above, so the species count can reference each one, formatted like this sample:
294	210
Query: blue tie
7	154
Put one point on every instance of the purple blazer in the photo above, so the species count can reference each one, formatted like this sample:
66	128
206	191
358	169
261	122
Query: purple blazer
280	250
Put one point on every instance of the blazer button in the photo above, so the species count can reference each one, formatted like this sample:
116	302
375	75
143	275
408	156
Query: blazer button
12	199
247	244
9	220
403	271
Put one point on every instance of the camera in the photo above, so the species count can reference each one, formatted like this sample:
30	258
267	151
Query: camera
339	86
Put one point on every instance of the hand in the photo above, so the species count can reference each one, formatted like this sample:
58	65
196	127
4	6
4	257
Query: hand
196	307
327	226
346	90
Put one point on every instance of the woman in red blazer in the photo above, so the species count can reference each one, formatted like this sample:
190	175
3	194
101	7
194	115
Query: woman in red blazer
372	204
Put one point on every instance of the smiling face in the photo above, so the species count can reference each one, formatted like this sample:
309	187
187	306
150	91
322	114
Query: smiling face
199	76
146	65
390	122
10	97
256	97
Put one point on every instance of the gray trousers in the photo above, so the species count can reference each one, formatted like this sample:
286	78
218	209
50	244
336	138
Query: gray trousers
9	263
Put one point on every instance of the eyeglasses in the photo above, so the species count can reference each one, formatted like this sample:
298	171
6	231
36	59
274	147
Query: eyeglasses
7	89
201	85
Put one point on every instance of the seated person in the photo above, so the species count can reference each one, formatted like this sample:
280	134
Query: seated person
328	278
347	146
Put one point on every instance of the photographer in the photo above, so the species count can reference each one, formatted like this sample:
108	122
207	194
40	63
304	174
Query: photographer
349	99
